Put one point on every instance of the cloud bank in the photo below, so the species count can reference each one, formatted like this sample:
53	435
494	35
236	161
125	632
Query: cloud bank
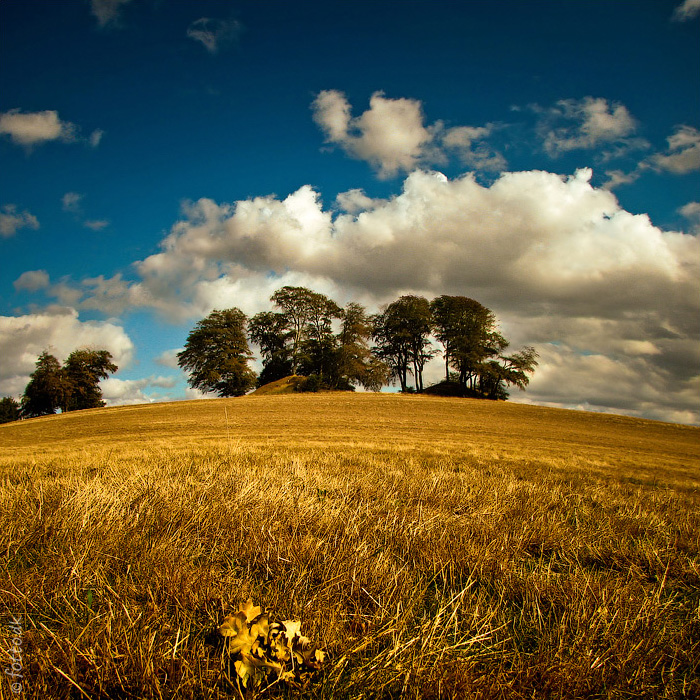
611	302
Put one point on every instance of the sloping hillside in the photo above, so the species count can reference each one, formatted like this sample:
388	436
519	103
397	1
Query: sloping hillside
432	547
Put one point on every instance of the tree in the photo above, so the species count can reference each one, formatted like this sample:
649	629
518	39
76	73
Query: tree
356	363
9	410
216	354
469	335
474	347
309	317
48	388
496	375
270	332
401	333
83	370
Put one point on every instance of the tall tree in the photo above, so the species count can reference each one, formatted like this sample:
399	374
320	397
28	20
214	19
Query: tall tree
270	332
402	336
9	410
83	370
216	354
356	363
47	390
310	317
469	335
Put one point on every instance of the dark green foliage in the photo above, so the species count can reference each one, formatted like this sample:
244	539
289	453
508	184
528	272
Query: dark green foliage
48	388
216	354
270	332
402	336
83	370
356	362
473	346
302	338
73	387
309	316
9	410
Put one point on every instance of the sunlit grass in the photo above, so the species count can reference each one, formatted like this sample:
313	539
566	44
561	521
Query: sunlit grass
436	548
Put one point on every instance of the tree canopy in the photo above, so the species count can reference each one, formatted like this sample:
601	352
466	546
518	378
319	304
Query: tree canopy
216	354
343	348
71	387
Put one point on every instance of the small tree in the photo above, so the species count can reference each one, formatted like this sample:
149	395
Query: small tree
83	371
48	388
216	354
9	410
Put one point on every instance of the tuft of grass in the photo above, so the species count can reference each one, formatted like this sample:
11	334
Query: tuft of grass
435	548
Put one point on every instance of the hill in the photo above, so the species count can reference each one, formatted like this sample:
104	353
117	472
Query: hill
286	385
434	547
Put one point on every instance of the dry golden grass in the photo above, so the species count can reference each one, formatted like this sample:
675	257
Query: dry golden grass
436	548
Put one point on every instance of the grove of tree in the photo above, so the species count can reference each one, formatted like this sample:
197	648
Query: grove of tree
71	387
343	348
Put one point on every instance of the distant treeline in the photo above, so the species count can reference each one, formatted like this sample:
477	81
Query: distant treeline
342	348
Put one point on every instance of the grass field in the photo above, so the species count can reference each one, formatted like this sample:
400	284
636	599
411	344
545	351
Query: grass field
433	547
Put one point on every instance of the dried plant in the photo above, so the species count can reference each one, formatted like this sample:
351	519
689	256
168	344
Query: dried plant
262	649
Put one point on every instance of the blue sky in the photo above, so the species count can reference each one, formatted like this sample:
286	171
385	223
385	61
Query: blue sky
163	158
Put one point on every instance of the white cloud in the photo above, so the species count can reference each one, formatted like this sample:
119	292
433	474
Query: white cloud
71	202
23	338
168	358
392	137
469	142
32	280
691	211
683	153
30	128
354	201
34	128
124	392
686	11
96	137
390	134
559	261
215	34
12	220
108	12
584	124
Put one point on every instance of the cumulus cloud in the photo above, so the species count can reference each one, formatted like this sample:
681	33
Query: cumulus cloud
108	12
560	262
24	338
584	124
215	34
686	11
683	153
32	280
124	392
471	145
34	128
30	128
392	136
12	220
